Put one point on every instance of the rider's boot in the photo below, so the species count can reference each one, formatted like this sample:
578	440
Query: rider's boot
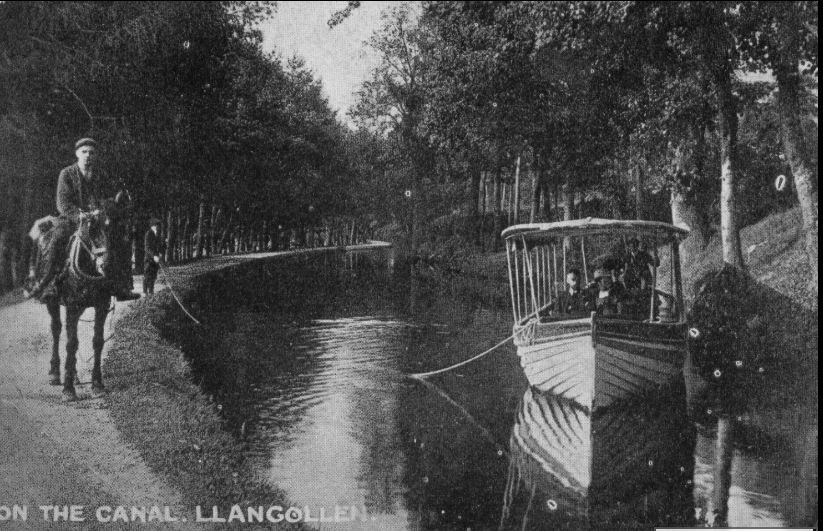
33	288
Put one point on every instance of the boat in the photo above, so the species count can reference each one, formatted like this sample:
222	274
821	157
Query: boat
595	354
627	467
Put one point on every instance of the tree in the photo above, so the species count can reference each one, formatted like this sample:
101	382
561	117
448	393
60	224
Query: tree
782	37
392	101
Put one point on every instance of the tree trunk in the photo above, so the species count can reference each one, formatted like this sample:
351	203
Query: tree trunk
481	225
535	206
509	203
226	236
169	238
496	206
639	196
685	213
545	186
27	216
474	194
794	143
5	262
557	197
727	132
516	195
568	200
212	230
201	230
187	237
568	209
181	237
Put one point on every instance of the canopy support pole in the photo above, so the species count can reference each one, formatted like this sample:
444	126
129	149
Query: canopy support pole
511	279
654	282
528	264
554	261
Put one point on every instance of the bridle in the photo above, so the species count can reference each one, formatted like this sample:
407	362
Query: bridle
79	243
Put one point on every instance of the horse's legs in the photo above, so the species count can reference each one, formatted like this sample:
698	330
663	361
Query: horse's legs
72	317
53	307
100	314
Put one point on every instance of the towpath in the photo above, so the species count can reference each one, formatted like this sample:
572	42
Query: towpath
60	454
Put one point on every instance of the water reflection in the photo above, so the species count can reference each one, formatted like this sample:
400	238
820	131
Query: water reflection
623	467
309	361
755	459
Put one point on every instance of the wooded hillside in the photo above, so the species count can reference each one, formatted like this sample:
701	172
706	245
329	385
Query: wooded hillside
478	116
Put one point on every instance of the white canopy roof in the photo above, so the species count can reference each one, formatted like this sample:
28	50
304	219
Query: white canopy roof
592	226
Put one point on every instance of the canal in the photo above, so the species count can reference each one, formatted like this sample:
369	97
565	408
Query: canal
308	365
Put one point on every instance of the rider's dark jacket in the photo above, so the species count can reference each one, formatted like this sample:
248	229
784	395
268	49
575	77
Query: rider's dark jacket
75	193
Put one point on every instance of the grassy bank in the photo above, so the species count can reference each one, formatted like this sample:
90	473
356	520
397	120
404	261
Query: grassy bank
167	417
774	255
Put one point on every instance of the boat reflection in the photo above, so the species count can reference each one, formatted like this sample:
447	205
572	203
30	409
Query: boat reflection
628	466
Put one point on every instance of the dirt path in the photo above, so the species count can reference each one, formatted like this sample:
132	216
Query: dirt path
52	453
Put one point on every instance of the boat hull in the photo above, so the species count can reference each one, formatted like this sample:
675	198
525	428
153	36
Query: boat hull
596	362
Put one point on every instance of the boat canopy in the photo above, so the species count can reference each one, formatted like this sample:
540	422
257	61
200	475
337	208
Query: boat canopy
639	260
535	232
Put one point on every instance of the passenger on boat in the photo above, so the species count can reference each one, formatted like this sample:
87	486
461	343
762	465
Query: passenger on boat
637	269
608	296
572	299
637	266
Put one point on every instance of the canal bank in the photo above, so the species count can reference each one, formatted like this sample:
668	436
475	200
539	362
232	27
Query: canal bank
162	410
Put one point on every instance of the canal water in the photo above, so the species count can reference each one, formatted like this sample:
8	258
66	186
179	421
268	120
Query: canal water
309	368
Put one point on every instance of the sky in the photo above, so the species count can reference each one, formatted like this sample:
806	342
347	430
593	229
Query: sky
337	56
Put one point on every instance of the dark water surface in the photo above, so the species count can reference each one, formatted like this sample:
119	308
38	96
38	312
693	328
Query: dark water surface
309	368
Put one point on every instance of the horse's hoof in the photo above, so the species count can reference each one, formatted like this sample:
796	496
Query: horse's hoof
54	379
69	395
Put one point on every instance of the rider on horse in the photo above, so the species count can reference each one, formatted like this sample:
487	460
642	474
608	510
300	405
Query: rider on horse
79	190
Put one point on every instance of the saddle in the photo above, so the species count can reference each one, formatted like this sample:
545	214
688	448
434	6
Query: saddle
82	264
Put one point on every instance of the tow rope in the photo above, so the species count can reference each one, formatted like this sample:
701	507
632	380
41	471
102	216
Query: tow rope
421	375
174	293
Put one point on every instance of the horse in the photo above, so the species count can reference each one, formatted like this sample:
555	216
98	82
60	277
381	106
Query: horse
84	282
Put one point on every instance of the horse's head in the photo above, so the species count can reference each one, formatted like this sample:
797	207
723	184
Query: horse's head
95	234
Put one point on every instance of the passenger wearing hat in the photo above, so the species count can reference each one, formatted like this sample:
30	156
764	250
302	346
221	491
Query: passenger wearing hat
637	266
573	299
608	294
79	189
152	247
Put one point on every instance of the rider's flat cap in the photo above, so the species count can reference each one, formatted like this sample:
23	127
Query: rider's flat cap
85	142
153	221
